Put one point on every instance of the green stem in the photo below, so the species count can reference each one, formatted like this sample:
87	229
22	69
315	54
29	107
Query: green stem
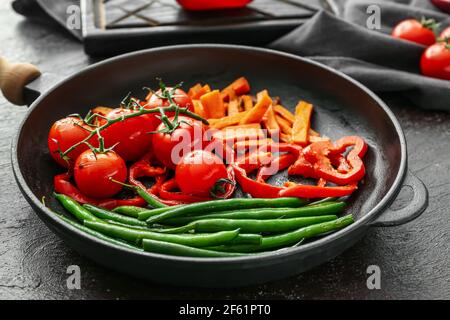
140	112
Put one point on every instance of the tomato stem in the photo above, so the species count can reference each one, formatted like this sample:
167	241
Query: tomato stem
430	24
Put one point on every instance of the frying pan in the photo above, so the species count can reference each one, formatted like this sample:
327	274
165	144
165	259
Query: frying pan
342	107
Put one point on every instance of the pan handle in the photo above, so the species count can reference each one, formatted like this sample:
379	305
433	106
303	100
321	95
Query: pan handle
413	210
13	79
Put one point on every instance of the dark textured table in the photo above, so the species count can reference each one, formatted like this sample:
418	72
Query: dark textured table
413	258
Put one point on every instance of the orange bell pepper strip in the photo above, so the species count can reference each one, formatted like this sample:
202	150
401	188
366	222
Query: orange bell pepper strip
240	133
233	107
213	104
252	144
285	113
271	123
247	102
227	121
198	90
198	108
256	114
238	87
284	125
302	123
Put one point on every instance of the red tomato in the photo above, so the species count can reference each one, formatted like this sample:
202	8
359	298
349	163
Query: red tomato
65	133
180	98
435	61
170	148
132	135
200	5
198	173
415	31
444	5
93	171
445	34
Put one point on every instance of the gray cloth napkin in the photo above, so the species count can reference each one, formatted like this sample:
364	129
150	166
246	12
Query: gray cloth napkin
373	57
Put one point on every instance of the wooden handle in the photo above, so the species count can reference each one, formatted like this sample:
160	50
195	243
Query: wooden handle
13	79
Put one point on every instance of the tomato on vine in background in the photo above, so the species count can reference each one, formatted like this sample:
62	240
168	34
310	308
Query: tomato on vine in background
201	5
421	32
435	61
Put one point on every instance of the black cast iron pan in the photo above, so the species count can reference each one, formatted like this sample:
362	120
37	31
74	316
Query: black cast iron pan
342	107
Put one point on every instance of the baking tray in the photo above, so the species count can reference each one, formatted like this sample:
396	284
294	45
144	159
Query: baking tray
116	26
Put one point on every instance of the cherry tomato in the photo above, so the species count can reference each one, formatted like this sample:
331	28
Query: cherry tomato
132	135
199	172
415	31
435	61
444	5
445	34
180	97
65	133
170	148
93	173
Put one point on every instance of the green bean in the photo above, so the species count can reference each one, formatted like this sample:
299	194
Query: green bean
105	214
135	236
130	211
75	208
98	234
144	215
223	205
258	226
150	199
160	229
181	250
247	238
265	213
290	238
324	200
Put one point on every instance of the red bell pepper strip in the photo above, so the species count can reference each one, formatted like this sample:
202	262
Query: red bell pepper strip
143	168
316	161
167	193
260	189
279	163
318	153
200	5
63	185
255	160
309	192
256	189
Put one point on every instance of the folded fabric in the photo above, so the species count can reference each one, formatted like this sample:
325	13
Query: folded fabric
374	58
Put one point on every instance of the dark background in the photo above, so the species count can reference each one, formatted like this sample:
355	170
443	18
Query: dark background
414	258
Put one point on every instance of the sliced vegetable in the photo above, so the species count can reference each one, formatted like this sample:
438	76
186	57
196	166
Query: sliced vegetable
257	226
181	250
265	213
238	87
256	114
213	104
223	205
302	123
290	238
271	123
